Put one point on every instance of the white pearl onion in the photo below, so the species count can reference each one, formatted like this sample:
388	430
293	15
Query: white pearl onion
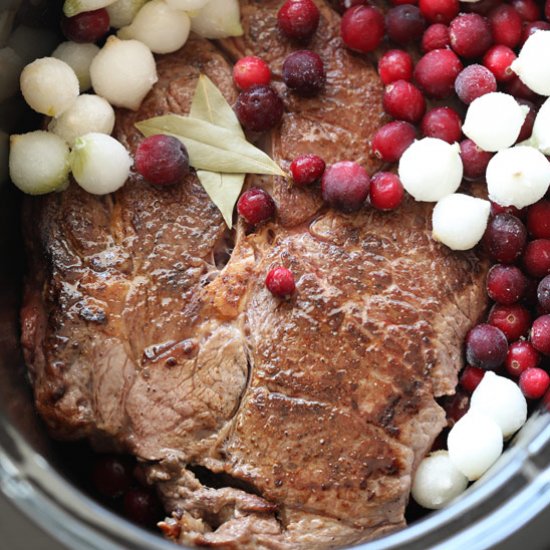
541	129
122	12
74	7
532	65
187	5
79	57
218	19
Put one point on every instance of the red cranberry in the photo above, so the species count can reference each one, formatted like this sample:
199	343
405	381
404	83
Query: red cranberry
505	238
256	206
543	294
498	209
280	282
436	72
536	258
162	160
529	122
486	347
471	377
518	89
386	191
345	185
538	220
304	72
439	11
111	475
298	19
540	334
395	65
88	26
474	159
506	25
342	5
251	71
513	320
483	7
470	35
443	123
404	101
259	108
532	27
307	169
142	506
498	60
362	28
435	37
521	356
405	24
506	284
391	140
528	9
534	383
547	10
473	82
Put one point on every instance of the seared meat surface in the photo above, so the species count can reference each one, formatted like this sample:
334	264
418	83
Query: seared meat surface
311	413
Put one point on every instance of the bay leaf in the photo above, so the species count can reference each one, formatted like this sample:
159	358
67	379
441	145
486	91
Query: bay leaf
224	190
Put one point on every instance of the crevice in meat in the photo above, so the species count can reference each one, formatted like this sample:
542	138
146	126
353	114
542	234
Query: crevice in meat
219	480
223	249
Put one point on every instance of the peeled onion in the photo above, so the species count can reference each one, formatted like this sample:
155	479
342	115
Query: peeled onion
218	19
187	5
74	7
122	12
79	57
541	129
532	65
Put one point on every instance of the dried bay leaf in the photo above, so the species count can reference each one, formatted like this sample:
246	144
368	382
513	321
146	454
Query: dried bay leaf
224	190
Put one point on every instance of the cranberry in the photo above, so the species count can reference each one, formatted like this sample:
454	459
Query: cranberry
498	60
162	160
443	123
436	36
345	185
111	475
518	89
528	9
343	5
536	259
486	347
304	72
439	11
498	209
506	284
547	9
142	506
474	159
540	334
483	7
521	356
543	294
534	383
532	27
88	26
505	238
386	191
538	220
471	377
405	24
280	282
251	71
391	140
436	72
529	122
506	25
395	65
256	206
470	35
473	82
513	320
259	108
404	101
298	19
307	169
362	28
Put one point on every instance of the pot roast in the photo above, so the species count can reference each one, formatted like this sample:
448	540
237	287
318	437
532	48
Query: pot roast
147	327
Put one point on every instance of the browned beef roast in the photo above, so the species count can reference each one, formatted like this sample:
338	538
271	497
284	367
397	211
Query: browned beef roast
312	413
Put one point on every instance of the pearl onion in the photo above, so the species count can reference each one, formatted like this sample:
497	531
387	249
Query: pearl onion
431	169
518	177
79	57
493	121
39	162
218	19
437	481
49	86
541	129
459	221
187	5
123	72
122	12
74	7
474	443
532	65
100	163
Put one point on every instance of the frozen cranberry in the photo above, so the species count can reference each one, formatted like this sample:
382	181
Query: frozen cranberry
540	334
519	90
342	5
88	26
251	71
111	475
298	19
483	7
506	25
474	159
470	35
259	108
391	140
142	506
498	60
543	294
435	37
443	123
395	65
538	220
499	209
405	24
362	28
528	10
513	320
471	377
534	383
529	122
436	72
536	258
521	356
345	185
386	191
404	101
486	347
547	10
256	206
532	27
280	282
506	284
473	82
505	238
304	72
439	11
162	160
307	169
